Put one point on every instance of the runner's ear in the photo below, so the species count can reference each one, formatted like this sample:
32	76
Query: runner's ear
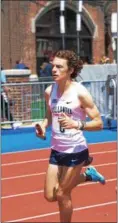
71	70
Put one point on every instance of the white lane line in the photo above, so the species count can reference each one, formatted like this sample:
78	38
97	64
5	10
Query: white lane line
104	152
27	161
24	176
57	212
104	164
42	173
41	191
22	194
40	160
3	154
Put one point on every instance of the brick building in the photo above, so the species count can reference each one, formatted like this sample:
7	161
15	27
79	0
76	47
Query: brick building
31	30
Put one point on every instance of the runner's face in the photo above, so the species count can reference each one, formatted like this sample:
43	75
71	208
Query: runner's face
60	69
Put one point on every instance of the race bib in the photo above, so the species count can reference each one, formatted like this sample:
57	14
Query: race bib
56	125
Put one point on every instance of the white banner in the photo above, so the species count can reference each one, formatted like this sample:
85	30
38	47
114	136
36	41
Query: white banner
97	72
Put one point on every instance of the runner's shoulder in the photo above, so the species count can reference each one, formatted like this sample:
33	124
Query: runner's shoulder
81	89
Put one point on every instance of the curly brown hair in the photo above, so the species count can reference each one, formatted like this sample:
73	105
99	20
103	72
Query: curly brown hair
72	61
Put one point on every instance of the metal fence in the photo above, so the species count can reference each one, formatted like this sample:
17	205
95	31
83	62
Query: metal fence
28	102
104	94
111	96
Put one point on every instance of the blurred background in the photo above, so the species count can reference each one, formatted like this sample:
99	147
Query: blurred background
33	30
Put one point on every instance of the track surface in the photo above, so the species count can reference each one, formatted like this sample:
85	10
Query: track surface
23	175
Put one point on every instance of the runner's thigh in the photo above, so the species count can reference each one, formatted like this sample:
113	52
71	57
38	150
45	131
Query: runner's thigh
70	177
51	180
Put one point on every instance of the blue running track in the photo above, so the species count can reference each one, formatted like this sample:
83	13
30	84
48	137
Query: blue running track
23	139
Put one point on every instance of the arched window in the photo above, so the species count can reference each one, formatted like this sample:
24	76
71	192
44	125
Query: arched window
49	39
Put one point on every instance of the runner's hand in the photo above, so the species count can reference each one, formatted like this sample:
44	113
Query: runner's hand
67	122
40	131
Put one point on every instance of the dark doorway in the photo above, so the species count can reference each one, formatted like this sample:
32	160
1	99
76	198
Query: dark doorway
49	39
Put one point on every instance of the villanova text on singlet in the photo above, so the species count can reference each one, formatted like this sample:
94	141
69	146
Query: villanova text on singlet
67	140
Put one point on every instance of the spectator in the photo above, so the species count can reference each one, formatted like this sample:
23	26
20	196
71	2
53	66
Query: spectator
48	68
104	60
42	72
20	65
107	60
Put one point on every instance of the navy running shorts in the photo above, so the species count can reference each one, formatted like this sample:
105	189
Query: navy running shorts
68	159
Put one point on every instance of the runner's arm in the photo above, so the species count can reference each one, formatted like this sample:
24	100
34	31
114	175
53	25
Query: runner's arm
91	111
